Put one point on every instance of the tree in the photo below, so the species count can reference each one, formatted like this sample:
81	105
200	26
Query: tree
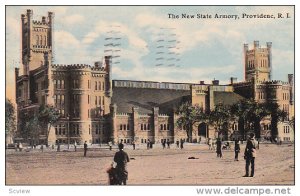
10	119
48	116
292	122
188	115
219	118
256	112
276	115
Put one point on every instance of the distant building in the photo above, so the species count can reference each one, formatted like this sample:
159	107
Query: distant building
96	109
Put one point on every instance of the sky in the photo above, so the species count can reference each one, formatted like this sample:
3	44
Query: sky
149	45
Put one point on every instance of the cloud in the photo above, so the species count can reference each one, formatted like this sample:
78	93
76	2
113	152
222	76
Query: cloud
74	19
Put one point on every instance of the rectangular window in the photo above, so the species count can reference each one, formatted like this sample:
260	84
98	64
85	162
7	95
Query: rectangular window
88	113
96	100
89	85
63	84
121	127
88	99
95	85
58	84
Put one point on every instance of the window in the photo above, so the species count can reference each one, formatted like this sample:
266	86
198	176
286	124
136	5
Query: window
62	84
148	126
142	126
168	126
89	85
88	113
124	127
145	127
95	100
41	40
127	126
58	84
165	128
37	40
88	99
95	85
161	127
121	127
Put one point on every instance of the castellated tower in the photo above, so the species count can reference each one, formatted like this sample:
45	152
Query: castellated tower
36	40
258	62
80	92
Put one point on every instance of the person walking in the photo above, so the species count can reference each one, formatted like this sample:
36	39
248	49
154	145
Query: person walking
219	148
75	146
181	143
58	146
148	144
209	143
110	145
168	144
250	154
85	148
177	143
164	144
236	149
121	158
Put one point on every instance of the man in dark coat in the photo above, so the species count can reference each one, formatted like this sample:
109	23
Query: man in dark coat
121	158
85	148
250	154
236	149
219	148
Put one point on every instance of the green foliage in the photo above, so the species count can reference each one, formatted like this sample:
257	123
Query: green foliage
10	118
48	116
219	117
188	115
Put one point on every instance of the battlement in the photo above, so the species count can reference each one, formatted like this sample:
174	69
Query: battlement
37	22
163	115
257	47
123	114
275	82
77	66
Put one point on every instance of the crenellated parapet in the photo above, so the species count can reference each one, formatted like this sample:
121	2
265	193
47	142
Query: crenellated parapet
275	82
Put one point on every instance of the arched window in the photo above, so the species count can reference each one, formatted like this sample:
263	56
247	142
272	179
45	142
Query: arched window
37	40
45	39
41	40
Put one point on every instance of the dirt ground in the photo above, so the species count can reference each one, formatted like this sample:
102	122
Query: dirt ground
157	166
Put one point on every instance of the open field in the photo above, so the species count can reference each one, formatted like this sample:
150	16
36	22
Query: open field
157	166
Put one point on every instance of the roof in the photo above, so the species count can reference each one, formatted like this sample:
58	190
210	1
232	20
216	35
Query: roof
226	98
145	99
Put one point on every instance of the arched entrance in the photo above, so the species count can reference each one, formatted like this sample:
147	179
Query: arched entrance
202	130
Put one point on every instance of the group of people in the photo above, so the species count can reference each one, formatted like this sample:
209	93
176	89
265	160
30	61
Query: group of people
249	153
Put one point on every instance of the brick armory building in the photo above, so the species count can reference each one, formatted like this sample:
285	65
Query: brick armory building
97	109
